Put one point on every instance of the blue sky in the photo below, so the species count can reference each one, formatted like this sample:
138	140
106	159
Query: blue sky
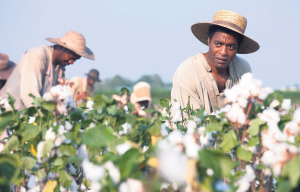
135	37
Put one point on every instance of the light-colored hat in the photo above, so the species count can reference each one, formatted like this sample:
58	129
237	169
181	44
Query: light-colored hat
75	42
94	75
6	66
141	92
229	20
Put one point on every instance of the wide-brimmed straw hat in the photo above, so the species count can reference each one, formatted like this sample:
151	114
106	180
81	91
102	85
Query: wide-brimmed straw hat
94	75
141	92
229	20
6	66
75	42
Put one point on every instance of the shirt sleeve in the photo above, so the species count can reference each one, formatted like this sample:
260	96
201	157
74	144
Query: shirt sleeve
32	66
184	86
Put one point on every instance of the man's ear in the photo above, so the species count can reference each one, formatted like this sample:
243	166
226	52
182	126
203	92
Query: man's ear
208	41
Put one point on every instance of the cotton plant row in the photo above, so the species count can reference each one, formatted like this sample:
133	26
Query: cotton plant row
108	144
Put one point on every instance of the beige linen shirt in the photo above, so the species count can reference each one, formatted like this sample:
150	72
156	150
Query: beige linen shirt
35	74
194	78
79	86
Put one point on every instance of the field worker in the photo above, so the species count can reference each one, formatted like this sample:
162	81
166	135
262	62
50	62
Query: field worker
6	68
141	95
82	87
41	67
205	76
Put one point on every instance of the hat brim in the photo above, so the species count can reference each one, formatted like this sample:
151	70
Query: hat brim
201	30
87	53
4	74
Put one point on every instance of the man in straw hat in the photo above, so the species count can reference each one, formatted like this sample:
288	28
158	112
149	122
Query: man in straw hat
41	67
6	68
205	76
82	87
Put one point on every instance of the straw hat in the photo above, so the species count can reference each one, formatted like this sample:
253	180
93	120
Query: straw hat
94	75
6	66
141	92
75	42
229	20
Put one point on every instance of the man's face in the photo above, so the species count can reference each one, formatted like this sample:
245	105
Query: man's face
222	49
67	57
90	82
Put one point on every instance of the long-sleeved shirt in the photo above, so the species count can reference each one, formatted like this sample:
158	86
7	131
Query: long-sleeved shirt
193	78
35	74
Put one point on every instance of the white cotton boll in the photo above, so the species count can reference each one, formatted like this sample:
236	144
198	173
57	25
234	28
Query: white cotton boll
243	184
210	172
208	140
131	185
250	173
68	126
22	189
73	187
61	130
253	149
296	116
191	126
171	166
50	134
82	152
242	102
113	171
175	137
48	97
286	104
177	112
222	186
164	112
61	108
268	158
264	93
145	148
95	186
126	128
267	172
122	148
39	150
59	140
191	147
32	182
92	172
270	115
274	103
236	114
164	132
232	94
31	119
277	169
89	105
201	130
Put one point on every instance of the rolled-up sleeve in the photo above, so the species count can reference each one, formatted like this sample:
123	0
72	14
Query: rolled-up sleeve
31	70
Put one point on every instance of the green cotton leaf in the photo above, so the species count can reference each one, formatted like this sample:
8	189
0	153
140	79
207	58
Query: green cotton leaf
129	162
164	103
48	145
65	179
58	162
229	141
254	126
8	168
68	150
253	141
76	115
32	111
154	128
244	154
113	109
30	131
220	163
284	186
99	136
5	119
261	167
28	162
48	105
12	144
41	173
214	127
292	171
